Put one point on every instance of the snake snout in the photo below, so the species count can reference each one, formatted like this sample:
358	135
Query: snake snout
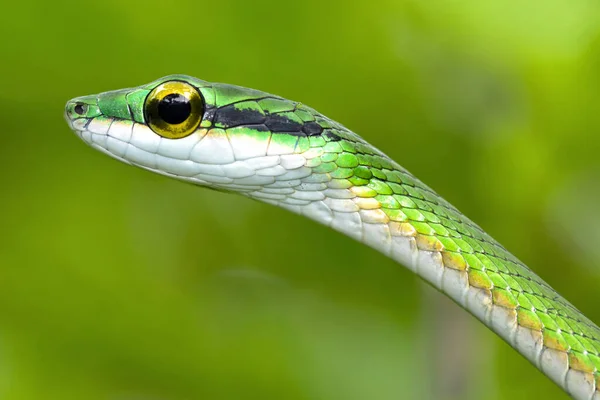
75	109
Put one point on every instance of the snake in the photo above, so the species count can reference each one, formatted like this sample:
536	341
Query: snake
282	152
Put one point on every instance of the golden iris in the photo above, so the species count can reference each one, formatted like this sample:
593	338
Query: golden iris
174	109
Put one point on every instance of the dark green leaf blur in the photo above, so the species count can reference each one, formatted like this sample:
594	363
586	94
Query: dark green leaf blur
119	284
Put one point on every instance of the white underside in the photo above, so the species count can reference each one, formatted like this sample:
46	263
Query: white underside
275	175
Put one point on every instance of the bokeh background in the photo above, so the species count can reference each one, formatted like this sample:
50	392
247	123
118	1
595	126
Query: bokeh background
118	284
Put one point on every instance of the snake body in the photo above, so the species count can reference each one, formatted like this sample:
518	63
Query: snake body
282	152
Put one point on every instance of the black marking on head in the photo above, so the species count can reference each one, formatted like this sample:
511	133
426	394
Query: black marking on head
331	136
209	114
230	116
312	128
281	123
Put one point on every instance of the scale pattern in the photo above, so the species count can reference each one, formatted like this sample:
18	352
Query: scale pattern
463	261
287	154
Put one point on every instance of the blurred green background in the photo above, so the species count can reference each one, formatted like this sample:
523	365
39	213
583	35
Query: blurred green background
119	284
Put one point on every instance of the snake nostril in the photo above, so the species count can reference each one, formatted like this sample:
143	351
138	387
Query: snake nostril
80	108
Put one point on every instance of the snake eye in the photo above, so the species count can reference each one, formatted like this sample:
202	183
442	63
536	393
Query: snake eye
174	109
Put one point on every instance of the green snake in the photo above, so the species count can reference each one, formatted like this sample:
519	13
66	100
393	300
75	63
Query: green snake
282	152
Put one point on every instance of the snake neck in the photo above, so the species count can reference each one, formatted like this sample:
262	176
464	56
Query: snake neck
370	198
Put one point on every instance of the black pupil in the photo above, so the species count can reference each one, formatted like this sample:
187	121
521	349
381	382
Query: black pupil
174	108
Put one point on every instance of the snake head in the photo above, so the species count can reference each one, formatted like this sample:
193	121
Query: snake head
217	135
